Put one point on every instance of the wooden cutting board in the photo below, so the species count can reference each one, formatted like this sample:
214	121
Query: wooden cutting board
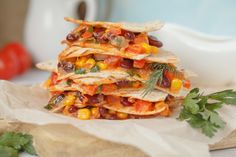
227	142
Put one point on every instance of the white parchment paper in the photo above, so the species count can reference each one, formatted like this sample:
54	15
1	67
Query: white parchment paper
162	137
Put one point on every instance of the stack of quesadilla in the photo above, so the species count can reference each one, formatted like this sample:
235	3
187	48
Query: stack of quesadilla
114	71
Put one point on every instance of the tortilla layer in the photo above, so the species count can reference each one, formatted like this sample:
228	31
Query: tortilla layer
92	48
134	27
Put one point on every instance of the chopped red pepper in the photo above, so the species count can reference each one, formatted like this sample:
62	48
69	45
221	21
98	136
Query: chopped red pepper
109	88
170	75
143	106
90	89
187	84
135	48
87	34
139	63
112	61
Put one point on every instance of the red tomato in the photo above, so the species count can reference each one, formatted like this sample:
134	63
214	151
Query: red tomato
112	61
135	48
109	88
23	56
139	63
9	65
143	106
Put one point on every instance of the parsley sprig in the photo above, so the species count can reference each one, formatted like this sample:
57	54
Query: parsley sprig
200	111
156	76
11	143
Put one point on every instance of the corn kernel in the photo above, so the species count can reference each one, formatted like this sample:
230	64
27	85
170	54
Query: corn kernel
148	48
102	65
70	100
80	62
84	114
176	85
154	49
90	63
95	112
122	115
160	105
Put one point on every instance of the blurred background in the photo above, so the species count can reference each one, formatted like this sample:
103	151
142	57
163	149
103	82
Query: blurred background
38	25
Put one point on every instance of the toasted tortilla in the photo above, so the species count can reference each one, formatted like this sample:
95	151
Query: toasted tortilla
134	27
92	48
131	110
50	66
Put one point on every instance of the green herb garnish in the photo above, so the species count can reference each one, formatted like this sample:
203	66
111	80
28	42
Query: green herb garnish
200	110
95	69
48	106
99	89
130	72
69	82
90	29
80	71
12	143
156	76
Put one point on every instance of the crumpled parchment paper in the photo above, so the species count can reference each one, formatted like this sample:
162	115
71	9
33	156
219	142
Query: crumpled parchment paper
162	137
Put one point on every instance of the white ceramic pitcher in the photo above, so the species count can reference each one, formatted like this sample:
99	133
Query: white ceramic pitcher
45	26
212	58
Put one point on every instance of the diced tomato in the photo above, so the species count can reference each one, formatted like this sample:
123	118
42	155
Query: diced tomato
135	48
112	61
170	75
143	106
53	78
187	84
113	100
108	88
56	92
87	35
116	31
90	89
139	63
141	38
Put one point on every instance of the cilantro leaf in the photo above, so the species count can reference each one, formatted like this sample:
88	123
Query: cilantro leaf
11	143
6	151
14	140
200	112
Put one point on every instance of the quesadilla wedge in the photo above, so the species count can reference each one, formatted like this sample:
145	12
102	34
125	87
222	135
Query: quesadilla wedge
129	40
107	69
127	103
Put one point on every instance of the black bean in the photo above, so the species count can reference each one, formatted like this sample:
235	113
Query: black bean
126	63
72	37
154	41
66	66
124	101
73	109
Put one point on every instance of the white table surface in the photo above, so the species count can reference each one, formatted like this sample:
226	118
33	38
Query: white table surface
37	76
